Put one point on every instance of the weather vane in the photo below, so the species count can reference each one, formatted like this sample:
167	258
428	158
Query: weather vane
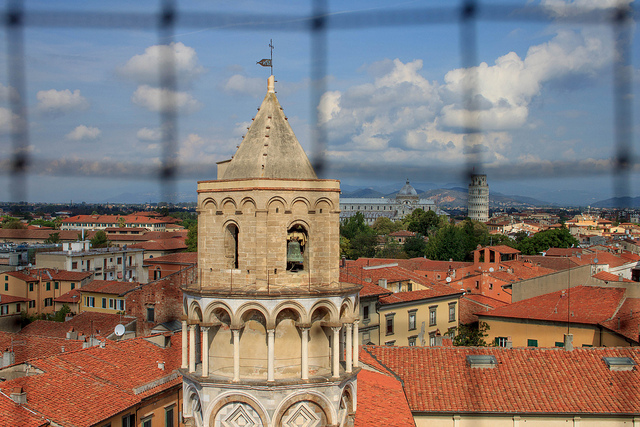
268	62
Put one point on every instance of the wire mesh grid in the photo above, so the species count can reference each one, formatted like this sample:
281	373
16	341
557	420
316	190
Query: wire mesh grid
318	24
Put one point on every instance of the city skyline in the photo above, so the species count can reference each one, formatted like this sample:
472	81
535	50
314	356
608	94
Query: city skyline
393	106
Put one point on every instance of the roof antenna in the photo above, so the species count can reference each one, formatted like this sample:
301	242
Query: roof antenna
268	62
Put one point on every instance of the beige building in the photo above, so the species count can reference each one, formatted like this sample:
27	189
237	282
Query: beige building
110	263
105	296
261	336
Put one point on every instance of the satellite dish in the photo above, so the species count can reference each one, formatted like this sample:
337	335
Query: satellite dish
448	279
595	260
491	269
119	331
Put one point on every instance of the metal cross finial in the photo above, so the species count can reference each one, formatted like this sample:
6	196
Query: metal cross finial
271	47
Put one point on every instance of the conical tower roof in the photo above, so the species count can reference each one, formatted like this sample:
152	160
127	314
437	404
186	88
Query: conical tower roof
270	149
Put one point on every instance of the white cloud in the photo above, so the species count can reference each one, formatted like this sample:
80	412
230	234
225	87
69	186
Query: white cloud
6	120
145	68
562	8
329	106
245	85
57	102
147	134
159	100
7	93
84	133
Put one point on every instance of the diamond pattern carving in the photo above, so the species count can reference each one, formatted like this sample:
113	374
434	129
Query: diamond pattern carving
302	416
240	418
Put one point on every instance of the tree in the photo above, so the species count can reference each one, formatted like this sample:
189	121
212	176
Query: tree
353	226
542	241
471	336
448	243
10	223
391	249
100	240
363	245
383	226
415	246
192	239
53	238
43	223
425	223
60	315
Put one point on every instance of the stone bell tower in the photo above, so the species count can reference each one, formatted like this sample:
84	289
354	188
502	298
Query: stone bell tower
269	336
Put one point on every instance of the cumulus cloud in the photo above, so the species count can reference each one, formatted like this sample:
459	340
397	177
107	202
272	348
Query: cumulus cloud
58	102
7	93
159	100
147	134
84	133
145	68
403	116
244	85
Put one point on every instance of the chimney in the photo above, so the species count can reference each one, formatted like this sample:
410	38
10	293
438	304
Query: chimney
568	342
8	358
18	396
161	365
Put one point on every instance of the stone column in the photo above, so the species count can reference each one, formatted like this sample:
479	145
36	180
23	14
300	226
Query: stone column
185	344
271	342
205	351
236	354
335	344
192	348
349	352
305	353
356	344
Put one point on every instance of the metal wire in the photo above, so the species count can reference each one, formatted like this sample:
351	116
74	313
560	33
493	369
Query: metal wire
318	24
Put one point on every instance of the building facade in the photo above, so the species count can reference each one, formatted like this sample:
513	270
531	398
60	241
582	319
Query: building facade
478	199
268	308
395	209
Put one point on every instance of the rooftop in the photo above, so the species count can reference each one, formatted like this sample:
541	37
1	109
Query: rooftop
112	287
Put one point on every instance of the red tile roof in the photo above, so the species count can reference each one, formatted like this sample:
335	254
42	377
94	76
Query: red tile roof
610	277
525	380
503	249
14	415
626	320
71	297
8	299
563	252
474	303
552	262
41	235
587	304
177	258
85	387
435	291
27	347
87	323
381	401
161	245
112	287
111	219
368	289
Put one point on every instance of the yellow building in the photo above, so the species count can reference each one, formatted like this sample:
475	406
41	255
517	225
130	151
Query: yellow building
41	286
418	318
105	296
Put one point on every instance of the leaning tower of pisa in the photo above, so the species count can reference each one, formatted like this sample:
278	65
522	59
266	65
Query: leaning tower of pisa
478	199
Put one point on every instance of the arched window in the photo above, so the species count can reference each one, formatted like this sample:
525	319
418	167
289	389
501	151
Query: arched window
231	246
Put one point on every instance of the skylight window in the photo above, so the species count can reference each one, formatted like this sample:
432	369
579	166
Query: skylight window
619	363
482	361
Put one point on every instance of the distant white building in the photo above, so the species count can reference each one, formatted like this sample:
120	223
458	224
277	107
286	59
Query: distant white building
402	205
478	200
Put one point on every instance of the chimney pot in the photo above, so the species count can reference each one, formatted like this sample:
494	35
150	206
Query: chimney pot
568	342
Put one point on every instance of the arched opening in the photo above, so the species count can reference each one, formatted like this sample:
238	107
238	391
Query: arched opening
253	345
319	343
288	342
157	273
297	248
221	345
231	246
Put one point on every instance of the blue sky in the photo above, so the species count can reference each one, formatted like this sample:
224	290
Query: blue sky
393	107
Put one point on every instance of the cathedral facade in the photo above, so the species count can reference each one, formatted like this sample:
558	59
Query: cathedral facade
270	335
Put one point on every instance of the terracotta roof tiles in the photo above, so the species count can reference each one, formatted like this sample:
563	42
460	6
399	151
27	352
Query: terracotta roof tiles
87	322
525	380
113	287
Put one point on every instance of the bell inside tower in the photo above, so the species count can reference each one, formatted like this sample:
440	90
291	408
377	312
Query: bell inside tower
296	248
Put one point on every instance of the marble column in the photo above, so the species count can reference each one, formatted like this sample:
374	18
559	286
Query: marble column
356	344
236	354
192	348
271	351
349	352
205	350
185	344
335	344
305	353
